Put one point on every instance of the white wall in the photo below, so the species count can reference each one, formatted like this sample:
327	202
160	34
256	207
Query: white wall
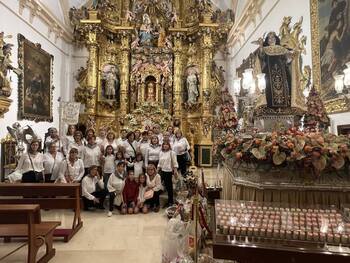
13	23
338	119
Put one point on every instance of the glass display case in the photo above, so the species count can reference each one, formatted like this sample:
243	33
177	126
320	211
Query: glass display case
278	223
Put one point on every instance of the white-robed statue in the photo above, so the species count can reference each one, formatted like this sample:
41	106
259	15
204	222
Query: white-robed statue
192	88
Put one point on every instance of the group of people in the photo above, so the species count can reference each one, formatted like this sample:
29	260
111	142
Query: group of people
131	170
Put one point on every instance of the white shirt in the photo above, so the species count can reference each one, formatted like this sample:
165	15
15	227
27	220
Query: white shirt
155	184
180	146
138	168
91	156
88	186
24	165
75	171
116	183
120	142
160	138
143	146
52	165
129	151
114	145
167	161
101	141
152	153
80	148
109	165
68	139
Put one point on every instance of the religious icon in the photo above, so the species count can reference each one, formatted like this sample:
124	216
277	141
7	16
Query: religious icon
150	92
146	29
192	87
110	82
274	63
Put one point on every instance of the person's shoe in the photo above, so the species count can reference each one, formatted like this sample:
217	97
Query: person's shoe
109	213
156	209
166	205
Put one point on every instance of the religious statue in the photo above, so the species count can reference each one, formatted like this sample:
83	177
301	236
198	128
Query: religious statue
275	61
161	37
150	92
5	66
145	34
192	88
20	133
111	82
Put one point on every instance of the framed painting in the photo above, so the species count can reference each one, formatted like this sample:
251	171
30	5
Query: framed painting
35	83
343	129
330	39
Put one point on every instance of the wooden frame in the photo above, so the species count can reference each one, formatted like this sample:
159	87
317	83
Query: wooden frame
343	129
322	55
35	90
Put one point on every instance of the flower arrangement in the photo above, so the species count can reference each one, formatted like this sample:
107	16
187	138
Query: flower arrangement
312	151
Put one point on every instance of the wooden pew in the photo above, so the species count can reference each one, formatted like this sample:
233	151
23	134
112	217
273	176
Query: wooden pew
48	196
25	221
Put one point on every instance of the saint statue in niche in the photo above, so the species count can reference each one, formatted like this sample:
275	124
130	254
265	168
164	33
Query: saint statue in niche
275	61
192	87
145	34
110	82
150	94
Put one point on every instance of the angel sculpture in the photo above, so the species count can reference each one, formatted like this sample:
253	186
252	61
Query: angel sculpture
135	42
174	19
136	66
168	43
20	133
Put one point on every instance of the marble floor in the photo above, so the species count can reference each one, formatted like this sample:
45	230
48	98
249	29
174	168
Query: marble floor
119	239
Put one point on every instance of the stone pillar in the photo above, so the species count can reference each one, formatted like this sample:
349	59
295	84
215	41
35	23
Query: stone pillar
124	75
178	69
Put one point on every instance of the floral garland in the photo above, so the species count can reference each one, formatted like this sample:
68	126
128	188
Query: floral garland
307	150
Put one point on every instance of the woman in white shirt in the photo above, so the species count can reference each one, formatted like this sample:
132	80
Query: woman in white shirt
122	138
152	153
53	138
93	190
31	164
52	161
78	144
130	147
101	139
69	138
115	187
138	138
181	147
154	182
144	144
110	140
168	167
71	169
91	154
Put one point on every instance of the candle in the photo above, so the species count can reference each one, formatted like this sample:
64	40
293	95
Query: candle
322	237
309	236
315	236
232	230
302	235
296	234
269	232
336	238
288	234
330	238
344	238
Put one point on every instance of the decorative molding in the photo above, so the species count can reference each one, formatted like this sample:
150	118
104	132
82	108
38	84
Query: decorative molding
249	15
55	26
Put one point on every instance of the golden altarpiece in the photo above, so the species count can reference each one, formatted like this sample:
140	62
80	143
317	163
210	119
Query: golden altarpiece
151	62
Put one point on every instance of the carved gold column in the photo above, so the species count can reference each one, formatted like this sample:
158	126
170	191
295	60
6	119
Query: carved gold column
207	56
178	68
91	26
124	78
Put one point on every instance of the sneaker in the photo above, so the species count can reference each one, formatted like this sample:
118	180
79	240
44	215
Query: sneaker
109	213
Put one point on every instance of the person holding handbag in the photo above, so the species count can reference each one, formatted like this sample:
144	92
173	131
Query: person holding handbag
181	148
168	167
71	169
31	164
130	147
154	186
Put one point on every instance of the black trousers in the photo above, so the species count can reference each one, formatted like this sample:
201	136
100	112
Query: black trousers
100	195
105	179
154	201
182	162
167	178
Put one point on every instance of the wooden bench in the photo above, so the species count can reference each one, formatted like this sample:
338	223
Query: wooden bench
48	196
25	221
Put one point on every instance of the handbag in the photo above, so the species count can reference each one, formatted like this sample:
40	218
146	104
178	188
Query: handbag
32	176
148	194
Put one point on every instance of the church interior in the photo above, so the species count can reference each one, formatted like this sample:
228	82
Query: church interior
174	131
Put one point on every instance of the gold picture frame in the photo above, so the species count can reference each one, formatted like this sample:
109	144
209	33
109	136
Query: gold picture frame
35	90
337	103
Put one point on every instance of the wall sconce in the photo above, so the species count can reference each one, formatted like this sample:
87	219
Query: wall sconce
236	86
347	74
247	78
261	82
339	83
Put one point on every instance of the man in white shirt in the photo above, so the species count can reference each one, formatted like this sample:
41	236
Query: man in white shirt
156	131
93	190
122	138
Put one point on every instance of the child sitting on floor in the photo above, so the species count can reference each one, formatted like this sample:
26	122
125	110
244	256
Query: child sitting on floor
130	194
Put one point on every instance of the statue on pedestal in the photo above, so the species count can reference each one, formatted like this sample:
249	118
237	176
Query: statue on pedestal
146	29
192	88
